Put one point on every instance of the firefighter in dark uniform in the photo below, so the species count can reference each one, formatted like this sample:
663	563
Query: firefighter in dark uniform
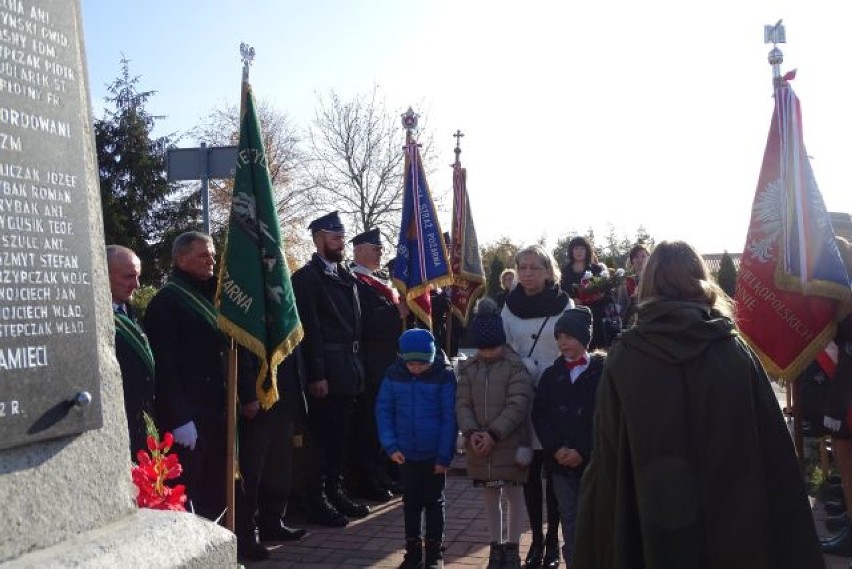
329	308
131	345
266	454
383	319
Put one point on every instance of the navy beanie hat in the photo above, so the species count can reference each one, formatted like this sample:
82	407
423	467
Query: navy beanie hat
577	323
417	345
486	329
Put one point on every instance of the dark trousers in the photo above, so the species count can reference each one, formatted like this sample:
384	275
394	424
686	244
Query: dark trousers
567	489
204	469
533	498
328	421
366	452
423	497
266	459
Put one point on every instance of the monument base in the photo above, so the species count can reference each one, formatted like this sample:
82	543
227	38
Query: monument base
146	538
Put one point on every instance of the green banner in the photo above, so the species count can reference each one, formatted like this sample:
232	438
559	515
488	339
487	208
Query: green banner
255	296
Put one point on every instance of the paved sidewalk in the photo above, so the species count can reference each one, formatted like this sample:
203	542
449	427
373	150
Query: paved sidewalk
378	540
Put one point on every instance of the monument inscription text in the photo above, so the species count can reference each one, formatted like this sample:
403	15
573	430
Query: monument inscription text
48	348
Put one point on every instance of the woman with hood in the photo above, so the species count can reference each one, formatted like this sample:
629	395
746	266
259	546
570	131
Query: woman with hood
693	465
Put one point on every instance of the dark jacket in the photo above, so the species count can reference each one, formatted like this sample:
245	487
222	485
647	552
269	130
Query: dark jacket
290	381
381	328
839	397
693	465
330	312
416	414
190	358
138	383
562	411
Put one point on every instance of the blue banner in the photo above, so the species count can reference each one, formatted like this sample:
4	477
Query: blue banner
421	255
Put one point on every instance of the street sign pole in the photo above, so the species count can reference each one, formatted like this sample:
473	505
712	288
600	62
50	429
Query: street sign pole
202	163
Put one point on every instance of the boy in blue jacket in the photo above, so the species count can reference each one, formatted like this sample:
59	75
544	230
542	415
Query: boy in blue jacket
415	415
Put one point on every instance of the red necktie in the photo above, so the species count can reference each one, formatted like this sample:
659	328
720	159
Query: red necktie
571	365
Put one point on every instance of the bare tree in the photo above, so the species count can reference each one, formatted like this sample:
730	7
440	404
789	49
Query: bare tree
284	156
356	159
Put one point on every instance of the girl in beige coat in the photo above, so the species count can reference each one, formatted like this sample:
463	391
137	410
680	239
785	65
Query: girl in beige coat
493	399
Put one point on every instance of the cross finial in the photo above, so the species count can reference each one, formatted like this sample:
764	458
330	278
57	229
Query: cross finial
458	135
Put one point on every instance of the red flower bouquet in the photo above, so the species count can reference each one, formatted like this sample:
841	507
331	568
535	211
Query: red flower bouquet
593	288
155	465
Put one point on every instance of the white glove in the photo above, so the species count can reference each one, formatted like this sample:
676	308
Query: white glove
461	442
524	456
186	435
831	424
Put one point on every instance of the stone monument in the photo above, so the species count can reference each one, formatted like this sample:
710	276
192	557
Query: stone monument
66	498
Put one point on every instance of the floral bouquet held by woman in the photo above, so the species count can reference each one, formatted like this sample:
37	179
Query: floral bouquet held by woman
593	288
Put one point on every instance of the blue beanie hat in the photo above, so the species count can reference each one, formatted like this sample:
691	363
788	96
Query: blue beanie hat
417	345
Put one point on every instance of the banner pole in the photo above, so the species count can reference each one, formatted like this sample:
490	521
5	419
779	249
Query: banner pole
230	453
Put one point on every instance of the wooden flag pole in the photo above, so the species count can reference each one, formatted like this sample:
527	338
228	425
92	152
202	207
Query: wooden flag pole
230	453
247	55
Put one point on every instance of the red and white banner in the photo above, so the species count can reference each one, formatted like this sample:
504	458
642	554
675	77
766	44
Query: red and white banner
792	286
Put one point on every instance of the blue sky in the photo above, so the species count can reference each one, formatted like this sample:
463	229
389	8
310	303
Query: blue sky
576	115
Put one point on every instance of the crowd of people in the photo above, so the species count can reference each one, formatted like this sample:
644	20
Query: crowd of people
636	418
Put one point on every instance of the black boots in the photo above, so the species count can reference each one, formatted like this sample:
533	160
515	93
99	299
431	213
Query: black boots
511	556
413	555
321	512
271	531
534	556
495	556
839	544
434	554
344	504
249	547
551	554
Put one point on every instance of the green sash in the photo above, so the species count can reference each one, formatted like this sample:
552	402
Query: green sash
134	336
193	300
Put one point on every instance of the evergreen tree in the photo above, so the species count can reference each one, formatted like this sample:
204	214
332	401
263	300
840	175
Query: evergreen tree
141	209
493	279
727	277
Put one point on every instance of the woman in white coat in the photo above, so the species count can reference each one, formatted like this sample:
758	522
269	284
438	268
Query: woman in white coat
529	315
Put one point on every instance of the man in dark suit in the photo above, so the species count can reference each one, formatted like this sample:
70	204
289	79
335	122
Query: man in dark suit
329	307
383	319
189	352
131	345
266	449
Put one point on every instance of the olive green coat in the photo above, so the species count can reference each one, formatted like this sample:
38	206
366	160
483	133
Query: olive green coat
495	396
693	466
